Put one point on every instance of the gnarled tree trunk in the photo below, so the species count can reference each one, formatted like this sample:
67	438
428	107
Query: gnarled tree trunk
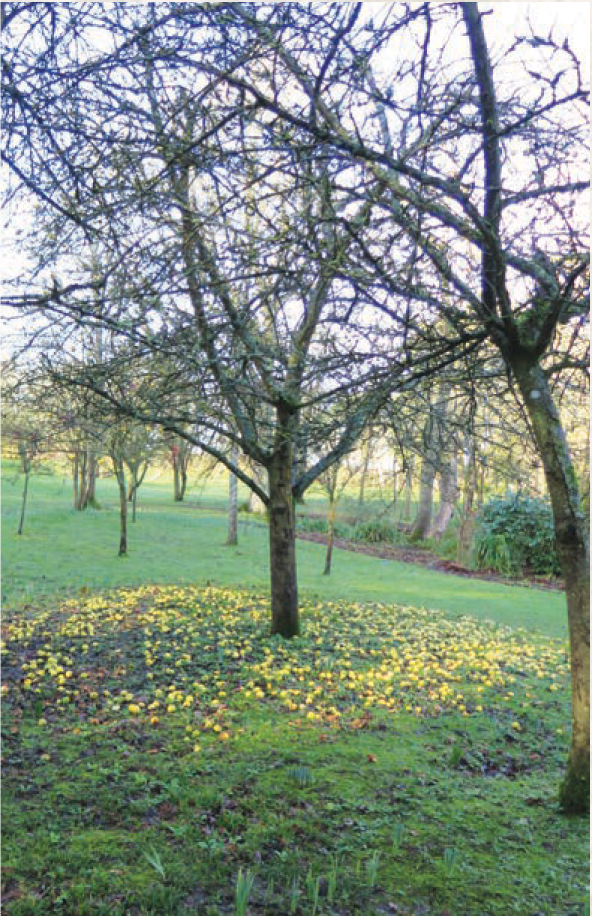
282	533
423	521
523	354
432	441
574	555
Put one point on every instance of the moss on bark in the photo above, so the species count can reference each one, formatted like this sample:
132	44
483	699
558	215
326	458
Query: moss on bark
574	792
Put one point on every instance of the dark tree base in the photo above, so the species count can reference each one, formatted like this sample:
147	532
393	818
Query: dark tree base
574	792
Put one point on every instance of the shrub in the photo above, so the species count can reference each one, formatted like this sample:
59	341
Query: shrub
447	545
516	533
311	523
314	523
492	552
344	531
376	532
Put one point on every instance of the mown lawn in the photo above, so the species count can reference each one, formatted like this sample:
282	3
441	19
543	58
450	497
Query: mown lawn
163	755
184	544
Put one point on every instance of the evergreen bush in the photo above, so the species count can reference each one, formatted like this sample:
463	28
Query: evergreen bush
515	534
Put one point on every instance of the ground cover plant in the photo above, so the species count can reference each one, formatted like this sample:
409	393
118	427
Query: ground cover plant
164	755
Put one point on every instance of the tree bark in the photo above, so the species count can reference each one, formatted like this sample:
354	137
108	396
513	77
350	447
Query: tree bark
429	465
91	499
423	521
523	357
330	535
300	459
432	439
232	538
365	467
447	499
176	480
137	471
465	533
120	476
574	555
181	455
481	493
408	489
75	477
86	469
27	470
282	535
82	480
183	487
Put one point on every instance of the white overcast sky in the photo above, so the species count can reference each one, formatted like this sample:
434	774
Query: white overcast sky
569	20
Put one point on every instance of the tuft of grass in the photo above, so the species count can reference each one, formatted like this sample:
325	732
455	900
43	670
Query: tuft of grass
302	776
155	861
244	887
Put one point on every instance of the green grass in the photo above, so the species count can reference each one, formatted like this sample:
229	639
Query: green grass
178	543
157	742
163	756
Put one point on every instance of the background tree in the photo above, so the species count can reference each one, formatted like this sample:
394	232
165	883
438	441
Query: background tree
181	453
141	449
25	437
334	481
232	538
432	461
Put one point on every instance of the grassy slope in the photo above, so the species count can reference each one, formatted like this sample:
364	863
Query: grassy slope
176	543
